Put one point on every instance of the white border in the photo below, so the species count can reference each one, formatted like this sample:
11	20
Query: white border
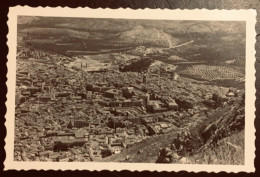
221	15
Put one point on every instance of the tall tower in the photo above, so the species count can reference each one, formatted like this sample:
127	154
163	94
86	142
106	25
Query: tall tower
159	76
144	79
81	70
52	93
86	66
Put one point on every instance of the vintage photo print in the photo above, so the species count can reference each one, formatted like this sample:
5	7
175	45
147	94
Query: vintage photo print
103	89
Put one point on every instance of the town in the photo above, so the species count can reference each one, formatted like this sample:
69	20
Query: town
69	114
127	90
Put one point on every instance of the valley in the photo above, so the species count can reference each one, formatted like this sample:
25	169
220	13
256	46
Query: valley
133	91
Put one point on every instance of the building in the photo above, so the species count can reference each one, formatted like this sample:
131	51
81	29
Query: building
112	93
17	99
130	103
33	90
128	92
144	79
171	104
80	123
44	98
159	128
115	149
155	106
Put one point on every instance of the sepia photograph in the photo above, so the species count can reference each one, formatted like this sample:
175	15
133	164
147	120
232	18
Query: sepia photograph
115	90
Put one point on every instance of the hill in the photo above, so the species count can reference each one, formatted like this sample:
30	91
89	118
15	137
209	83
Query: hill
148	148
121	25
230	150
152	36
26	19
201	40
218	139
59	33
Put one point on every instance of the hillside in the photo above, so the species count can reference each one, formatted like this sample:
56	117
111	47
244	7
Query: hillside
217	139
202	41
60	33
26	19
177	27
230	150
152	36
226	120
145	151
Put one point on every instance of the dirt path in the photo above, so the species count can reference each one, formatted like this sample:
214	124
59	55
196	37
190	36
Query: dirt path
186	43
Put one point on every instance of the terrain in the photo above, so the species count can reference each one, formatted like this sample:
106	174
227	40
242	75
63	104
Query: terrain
200	65
59	33
216	139
224	40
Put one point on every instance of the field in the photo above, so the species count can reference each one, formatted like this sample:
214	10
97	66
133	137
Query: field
91	63
204	72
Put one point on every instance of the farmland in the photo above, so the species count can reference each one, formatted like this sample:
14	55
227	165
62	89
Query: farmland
205	72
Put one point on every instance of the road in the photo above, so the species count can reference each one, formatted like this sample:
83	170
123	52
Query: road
186	43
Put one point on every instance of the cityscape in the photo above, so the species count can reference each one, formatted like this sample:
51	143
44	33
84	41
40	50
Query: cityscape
122	90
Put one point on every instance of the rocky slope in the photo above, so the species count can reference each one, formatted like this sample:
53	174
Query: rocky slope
211	138
145	151
219	139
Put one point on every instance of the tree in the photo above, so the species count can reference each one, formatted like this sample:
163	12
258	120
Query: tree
69	125
106	153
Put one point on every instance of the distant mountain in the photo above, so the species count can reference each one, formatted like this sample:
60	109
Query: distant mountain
168	26
26	20
54	32
215	41
153	36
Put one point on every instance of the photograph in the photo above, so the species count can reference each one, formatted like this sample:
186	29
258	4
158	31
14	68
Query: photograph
115	90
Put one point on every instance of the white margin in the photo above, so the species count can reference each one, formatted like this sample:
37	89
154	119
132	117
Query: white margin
211	15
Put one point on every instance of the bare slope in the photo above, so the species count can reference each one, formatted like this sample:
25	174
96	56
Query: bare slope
148	150
230	150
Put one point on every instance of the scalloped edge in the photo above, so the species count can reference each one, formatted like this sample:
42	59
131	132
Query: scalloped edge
248	15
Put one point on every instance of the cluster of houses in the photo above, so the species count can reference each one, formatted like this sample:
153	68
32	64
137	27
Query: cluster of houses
73	115
67	116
